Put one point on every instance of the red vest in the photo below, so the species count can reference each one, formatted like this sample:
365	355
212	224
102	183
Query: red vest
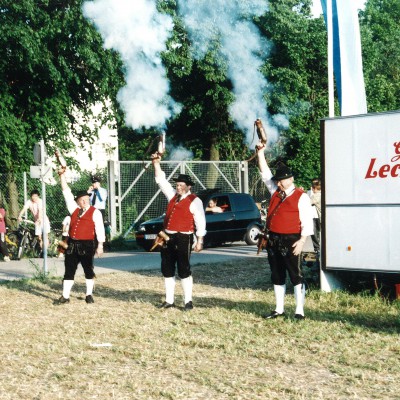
178	216
286	219
82	228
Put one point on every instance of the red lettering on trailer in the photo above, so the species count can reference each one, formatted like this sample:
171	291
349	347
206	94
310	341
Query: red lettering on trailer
383	170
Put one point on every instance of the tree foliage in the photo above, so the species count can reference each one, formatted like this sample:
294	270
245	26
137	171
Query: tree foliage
380	31
296	70
52	65
202	88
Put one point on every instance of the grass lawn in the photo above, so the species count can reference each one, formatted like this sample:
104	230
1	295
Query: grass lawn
123	347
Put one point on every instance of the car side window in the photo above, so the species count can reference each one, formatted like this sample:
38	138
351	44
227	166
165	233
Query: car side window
243	203
223	202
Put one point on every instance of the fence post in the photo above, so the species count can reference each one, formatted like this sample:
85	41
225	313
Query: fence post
44	226
244	170
112	203
25	192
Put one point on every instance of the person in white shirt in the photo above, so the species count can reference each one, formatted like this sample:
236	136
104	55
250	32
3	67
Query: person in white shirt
315	197
85	239
35	206
289	222
98	195
184	217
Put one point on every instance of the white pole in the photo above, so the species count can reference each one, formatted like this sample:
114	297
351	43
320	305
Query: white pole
329	20
328	282
44	231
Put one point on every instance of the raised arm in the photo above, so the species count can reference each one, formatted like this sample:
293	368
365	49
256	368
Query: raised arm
68	196
265	172
160	177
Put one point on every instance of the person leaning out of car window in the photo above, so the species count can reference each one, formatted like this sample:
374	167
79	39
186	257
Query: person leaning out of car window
213	208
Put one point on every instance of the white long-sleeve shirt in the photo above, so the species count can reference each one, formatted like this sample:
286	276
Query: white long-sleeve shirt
97	217
196	206
305	209
101	198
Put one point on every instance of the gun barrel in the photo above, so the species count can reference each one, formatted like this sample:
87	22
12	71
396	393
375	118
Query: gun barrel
262	135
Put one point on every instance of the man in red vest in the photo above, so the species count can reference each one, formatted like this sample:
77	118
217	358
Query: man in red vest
184	217
86	229
289	222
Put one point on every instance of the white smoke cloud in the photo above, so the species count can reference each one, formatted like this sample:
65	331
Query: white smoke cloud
281	120
179	153
242	47
139	33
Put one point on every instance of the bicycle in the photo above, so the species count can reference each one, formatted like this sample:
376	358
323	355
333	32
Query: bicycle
26	239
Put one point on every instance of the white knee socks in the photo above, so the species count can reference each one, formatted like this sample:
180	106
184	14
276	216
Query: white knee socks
299	296
67	286
89	286
187	286
280	291
169	290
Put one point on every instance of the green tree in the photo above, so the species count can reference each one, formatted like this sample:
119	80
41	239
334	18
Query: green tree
202	88
297	69
380	34
52	65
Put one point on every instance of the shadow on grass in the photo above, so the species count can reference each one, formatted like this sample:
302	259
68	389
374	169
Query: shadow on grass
52	289
226	276
371	321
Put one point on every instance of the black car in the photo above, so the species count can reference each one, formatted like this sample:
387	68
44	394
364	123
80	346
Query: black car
240	219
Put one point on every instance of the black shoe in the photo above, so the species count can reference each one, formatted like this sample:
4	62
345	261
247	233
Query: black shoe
62	300
188	306
273	315
89	299
166	305
299	316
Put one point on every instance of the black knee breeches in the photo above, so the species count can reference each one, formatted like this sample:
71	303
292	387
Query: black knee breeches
176	253
282	259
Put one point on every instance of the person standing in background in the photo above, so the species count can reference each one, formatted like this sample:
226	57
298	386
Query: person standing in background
98	195
315	197
3	231
35	206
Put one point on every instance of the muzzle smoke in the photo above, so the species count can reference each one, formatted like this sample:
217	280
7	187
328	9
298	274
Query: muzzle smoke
139	33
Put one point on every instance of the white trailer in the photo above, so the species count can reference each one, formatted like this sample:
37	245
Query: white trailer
360	160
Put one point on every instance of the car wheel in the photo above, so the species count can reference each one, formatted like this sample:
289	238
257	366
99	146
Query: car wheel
251	234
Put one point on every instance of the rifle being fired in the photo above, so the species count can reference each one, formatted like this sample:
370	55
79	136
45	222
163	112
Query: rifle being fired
161	145
61	161
262	136
160	148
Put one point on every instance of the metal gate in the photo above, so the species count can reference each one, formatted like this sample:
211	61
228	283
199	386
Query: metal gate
137	197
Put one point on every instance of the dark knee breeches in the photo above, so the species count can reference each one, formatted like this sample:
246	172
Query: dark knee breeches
282	259
79	251
176	253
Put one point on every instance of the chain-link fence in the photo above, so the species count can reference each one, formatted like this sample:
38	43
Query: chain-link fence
15	189
134	197
140	199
